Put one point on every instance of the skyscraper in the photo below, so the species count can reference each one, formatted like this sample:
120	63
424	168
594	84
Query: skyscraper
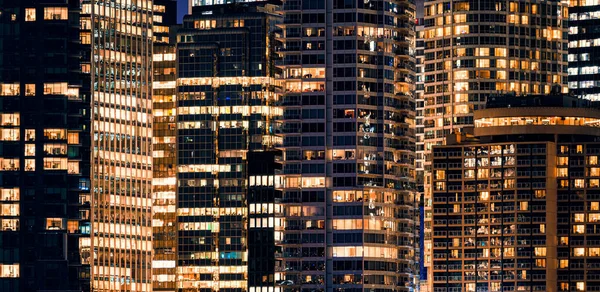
474	49
517	210
584	49
164	152
121	67
262	168
348	212
226	105
44	147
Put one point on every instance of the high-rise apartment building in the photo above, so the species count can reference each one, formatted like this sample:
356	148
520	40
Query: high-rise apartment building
164	184
474	49
44	147
226	106
348	213
584	49
518	209
121	72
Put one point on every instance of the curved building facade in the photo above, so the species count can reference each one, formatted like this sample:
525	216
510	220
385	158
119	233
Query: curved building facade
477	48
347	216
517	208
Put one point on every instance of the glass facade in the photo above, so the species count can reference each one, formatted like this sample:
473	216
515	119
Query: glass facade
164	185
227	101
121	44
584	46
44	143
348	213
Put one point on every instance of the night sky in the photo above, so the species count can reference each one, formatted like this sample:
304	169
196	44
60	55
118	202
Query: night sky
182	6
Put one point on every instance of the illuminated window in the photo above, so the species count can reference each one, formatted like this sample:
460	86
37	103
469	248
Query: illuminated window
9	164
540	251
54	134
460	18
483	173
56	13
501	64
540	194
86	38
456	242
9	271
523	206
456	208
55	163
55	223
580	286
483	63
29	164
563	264
9	209
29	135
461	75
85	68
461	29
484	196
440	186
13	119
482	51
562	172
9	89
579	183
29	14
500	52
29	89
9	224
73	167
9	194
9	134
509	251
461	6
540	263
579	217
55	88
55	149
563	161
73	138
578	229
73	226
595	206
